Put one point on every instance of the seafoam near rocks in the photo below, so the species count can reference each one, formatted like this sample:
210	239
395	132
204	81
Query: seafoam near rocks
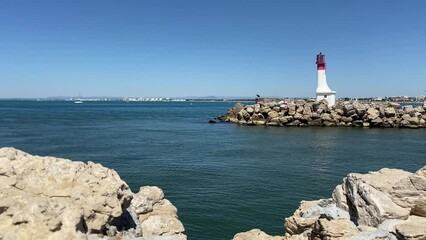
313	113
53	198
387	204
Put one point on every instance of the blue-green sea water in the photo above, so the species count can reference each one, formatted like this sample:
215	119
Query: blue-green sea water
223	178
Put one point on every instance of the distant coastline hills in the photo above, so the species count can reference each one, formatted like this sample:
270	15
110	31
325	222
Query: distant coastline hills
200	98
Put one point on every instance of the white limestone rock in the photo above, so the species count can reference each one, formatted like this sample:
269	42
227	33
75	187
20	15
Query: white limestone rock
54	198
256	234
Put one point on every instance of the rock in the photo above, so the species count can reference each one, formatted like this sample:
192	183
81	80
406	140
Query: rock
373	113
161	225
257	117
256	234
265	110
298	116
274	120
390	112
347	119
358	123
377	121
419	110
309	212
294	123
300	109
409	192
334	229
326	117
394	105
214	120
297	224
286	119
257	108
408	109
272	104
291	109
387	204
339	197
360	108
237	108
336	116
244	115
414	228
315	122
273	114
145	199
300	102
250	110
368	198
54	198
307	111
328	123
404	123
347	107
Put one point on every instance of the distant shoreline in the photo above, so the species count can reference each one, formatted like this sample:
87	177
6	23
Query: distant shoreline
185	100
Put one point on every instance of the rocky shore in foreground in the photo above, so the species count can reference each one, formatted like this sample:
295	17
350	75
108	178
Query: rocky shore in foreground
388	204
318	113
54	198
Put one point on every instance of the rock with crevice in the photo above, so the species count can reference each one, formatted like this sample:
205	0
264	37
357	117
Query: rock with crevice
54	198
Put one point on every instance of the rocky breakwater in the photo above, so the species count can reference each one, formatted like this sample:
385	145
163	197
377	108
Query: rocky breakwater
53	198
314	113
388	204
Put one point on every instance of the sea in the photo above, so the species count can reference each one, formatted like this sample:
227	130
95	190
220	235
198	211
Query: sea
223	178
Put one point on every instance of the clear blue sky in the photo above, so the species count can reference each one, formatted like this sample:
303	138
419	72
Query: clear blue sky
201	47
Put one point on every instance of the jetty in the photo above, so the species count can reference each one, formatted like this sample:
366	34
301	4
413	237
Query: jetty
301	113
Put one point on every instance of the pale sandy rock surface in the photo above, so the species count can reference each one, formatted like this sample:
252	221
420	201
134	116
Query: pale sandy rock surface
54	198
256	234
387	204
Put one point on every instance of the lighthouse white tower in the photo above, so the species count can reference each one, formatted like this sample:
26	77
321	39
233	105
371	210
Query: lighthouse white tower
323	91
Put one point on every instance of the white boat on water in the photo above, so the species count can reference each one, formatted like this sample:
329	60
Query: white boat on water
78	101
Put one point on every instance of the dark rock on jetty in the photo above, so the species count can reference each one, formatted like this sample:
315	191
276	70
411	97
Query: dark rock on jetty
318	113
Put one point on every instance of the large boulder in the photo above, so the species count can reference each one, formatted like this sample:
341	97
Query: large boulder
414	228
359	108
369	196
237	108
373	113
390	112
333	229
309	212
408	109
54	198
388	204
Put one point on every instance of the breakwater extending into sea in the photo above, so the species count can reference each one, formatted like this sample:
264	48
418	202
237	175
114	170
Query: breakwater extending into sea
318	113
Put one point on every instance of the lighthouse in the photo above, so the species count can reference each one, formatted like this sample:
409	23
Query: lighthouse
323	91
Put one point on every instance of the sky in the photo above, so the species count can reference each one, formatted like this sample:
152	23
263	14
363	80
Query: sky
169	48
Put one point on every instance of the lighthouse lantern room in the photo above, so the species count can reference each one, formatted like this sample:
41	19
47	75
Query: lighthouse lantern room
323	91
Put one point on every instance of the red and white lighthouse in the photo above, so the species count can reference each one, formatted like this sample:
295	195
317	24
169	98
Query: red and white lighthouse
323	91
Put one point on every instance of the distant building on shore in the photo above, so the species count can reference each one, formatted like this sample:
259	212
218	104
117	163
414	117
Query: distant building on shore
323	91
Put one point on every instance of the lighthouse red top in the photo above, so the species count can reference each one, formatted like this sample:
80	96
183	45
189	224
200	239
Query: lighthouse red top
320	61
